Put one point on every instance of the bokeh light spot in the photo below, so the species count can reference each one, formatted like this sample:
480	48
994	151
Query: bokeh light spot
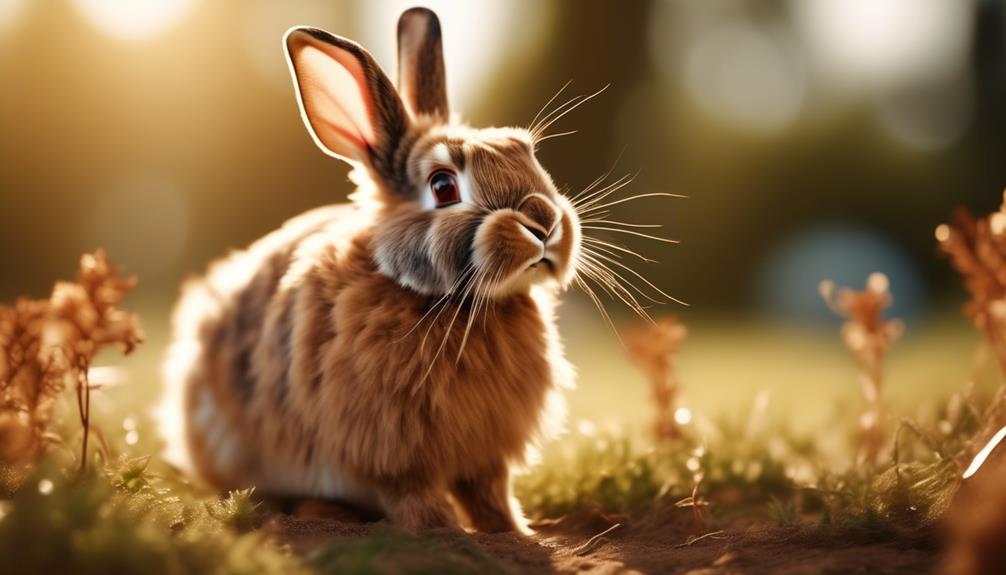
45	486
746	75
133	19
878	43
683	416
930	117
586	428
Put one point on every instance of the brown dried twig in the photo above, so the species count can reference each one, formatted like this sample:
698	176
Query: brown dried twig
976	248
48	345
595	541
696	502
868	337
654	347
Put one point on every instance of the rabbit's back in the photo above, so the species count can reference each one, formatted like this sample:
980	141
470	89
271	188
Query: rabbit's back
227	365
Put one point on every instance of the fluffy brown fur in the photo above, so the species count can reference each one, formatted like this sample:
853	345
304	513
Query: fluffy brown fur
395	353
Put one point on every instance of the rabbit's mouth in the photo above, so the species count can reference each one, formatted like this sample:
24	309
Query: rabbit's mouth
543	264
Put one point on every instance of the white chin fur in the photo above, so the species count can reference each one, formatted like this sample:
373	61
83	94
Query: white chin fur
522	281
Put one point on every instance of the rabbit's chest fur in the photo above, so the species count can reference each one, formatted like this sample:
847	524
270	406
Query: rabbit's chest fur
327	376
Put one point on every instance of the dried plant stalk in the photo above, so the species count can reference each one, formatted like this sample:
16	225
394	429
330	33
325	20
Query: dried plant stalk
654	347
868	337
977	250
48	345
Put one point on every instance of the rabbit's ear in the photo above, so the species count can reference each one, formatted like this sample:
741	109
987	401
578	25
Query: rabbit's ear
422	81
349	106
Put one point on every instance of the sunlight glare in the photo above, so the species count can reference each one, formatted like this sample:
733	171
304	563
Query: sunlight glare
105	375
9	11
133	19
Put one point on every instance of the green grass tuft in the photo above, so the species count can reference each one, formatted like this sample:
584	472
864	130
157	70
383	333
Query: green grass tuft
125	521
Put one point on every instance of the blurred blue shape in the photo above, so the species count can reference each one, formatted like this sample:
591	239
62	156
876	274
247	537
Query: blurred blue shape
787	284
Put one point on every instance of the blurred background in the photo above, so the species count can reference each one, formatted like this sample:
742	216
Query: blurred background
814	139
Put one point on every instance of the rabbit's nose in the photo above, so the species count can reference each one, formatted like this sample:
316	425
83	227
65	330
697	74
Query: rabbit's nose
542	213
536	230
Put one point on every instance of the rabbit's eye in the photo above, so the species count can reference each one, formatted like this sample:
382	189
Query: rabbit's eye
444	186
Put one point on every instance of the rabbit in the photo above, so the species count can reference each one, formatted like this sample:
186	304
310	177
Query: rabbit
398	353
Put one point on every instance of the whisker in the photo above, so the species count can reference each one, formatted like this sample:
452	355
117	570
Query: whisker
471	314
539	127
604	285
600	178
636	197
443	308
642	278
492	302
570	109
617	277
550	136
447	332
632	233
616	292
618	223
622	248
550	100
604	277
587	202
600	307
446	295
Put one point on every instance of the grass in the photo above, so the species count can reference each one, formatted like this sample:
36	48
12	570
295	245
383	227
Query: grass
790	479
125	520
129	517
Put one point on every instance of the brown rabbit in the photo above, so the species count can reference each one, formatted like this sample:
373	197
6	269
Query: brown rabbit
399	351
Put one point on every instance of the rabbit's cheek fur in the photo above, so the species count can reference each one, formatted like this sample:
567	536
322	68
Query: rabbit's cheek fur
427	250
450	241
402	251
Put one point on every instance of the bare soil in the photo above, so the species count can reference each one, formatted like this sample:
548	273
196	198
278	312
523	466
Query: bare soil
652	545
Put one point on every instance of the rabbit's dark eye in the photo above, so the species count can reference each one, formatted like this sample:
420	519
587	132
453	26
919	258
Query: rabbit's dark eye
444	186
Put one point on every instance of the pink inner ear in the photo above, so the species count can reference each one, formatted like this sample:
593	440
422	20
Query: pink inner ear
336	98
